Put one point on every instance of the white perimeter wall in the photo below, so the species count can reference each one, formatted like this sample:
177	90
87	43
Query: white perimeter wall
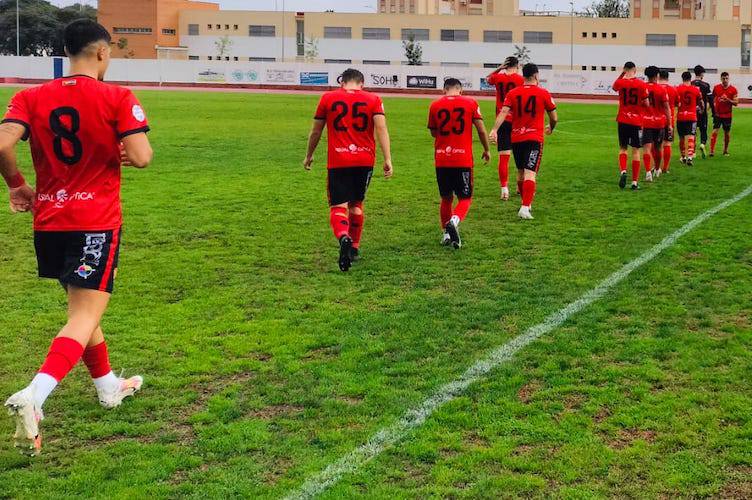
293	74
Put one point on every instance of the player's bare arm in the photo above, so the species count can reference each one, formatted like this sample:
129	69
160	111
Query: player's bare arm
553	119
499	121
136	151
480	127
496	71
317	129
21	195
382	135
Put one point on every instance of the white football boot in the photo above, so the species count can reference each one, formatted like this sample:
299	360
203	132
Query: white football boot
524	213
648	176
446	239
505	193
128	387
23	409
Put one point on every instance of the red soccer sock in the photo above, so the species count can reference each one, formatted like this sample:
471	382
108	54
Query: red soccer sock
635	170
726	140
97	360
666	157
356	223
713	139
504	170
463	206
445	211
646	160
339	221
622	162
691	146
528	193
520	186
63	355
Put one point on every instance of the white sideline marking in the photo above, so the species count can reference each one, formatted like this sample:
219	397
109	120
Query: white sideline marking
415	417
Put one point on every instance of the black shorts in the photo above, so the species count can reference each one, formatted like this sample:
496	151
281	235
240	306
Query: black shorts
722	122
504	136
652	136
527	155
668	134
346	185
630	135
86	259
686	128
455	181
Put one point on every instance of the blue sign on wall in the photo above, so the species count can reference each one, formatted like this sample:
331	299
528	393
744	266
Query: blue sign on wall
57	67
308	78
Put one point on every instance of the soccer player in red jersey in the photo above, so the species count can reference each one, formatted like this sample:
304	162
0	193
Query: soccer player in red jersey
527	104
725	97
505	78
668	132
690	102
351	116
80	131
633	95
656	121
451	120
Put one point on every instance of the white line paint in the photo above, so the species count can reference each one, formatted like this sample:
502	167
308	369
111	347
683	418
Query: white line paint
415	417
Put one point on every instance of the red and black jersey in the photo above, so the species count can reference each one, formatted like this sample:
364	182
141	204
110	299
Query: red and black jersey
349	124
451	118
690	98
723	109
75	125
673	99
529	104
504	82
655	117
632	93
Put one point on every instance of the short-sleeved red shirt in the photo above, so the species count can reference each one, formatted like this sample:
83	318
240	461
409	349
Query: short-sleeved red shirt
673	99
723	109
656	113
690	98
504	83
529	104
451	117
632	93
75	125
349	124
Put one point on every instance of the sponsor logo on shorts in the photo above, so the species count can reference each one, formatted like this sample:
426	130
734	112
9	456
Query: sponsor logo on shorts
84	271
532	160
91	253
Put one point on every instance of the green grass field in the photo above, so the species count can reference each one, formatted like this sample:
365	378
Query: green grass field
264	363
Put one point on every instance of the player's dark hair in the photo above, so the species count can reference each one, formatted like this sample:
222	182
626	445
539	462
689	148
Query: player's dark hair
724	74
511	62
651	72
686	76
663	74
699	70
81	33
451	83
529	70
629	65
352	75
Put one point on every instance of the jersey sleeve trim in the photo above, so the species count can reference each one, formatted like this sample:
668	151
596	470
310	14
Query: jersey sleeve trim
26	126
319	118
379	113
134	131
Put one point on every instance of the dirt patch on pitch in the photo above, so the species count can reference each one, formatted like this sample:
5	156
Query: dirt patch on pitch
626	437
527	392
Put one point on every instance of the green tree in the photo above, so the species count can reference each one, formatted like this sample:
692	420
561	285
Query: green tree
608	8
522	54
413	51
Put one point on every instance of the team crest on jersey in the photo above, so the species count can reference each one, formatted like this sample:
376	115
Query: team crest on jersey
138	113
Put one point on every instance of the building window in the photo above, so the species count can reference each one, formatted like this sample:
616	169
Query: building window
670	70
604	35
497	36
455	35
209	58
227	58
300	36
376	34
584	68
262	30
219	26
593	68
613	68
193	58
193	29
416	34
235	27
338	61
660	39
379	63
262	59
227	26
170	31
545	66
603	68
337	32
235	58
132	31
584	34
455	64
595	35
613	35
702	40
491	65
538	37
208	26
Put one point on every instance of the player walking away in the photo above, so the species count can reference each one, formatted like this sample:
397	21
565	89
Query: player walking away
80	131
504	82
668	132
351	116
526	104
725	97
690	102
707	102
451	120
657	120
633	100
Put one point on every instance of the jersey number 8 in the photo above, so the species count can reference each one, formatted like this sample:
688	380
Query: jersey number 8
67	134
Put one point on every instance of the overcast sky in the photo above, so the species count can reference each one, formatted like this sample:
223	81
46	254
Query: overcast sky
347	5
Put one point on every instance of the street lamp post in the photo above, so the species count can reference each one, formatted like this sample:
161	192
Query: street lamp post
283	30
571	37
18	29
